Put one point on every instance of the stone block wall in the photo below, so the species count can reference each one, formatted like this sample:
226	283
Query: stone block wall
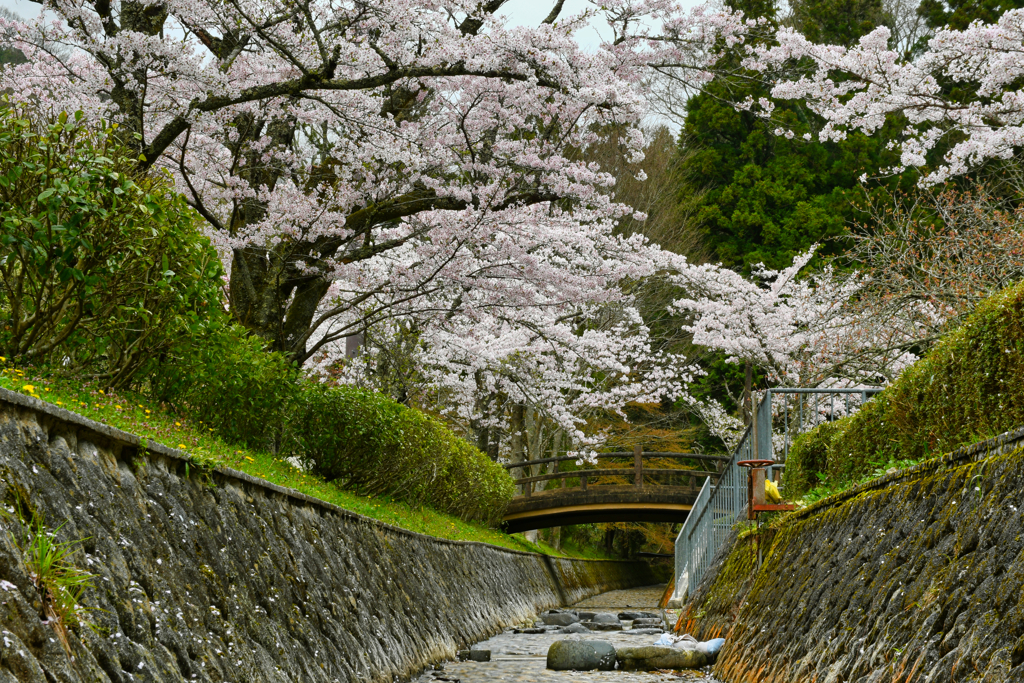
219	576
917	576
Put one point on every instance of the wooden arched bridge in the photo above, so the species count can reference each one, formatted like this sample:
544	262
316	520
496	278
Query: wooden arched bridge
586	495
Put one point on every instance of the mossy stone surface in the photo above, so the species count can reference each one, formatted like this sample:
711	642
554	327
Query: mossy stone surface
918	580
652	657
218	576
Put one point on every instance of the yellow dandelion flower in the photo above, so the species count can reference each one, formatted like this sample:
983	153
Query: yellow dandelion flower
29	388
177	424
181	445
101	391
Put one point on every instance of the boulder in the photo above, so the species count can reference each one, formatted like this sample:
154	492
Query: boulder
650	657
559	618
479	655
604	618
532	631
597	626
581	655
586	616
574	628
632	616
642	623
644	631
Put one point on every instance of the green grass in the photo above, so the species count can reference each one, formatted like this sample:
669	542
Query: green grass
829	486
135	414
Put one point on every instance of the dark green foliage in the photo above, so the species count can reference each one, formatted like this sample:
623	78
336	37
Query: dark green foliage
103	271
760	197
233	383
958	14
837	22
968	388
374	445
808	458
11	55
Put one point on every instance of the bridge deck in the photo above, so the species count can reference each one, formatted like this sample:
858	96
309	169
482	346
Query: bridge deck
558	507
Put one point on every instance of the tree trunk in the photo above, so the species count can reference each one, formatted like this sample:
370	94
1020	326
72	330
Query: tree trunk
482	409
748	385
518	441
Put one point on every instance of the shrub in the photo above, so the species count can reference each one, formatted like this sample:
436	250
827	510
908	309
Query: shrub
230	381
103	270
969	387
808	458
374	445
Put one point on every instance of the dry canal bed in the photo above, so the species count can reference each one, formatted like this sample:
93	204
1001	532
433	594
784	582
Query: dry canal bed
522	657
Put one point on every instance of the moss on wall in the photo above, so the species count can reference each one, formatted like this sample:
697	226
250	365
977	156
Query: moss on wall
915	577
969	387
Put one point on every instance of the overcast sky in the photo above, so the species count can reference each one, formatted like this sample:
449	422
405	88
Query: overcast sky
530	12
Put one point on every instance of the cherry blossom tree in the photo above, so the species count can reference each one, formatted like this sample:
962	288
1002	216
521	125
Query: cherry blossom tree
808	331
857	88
366	159
368	163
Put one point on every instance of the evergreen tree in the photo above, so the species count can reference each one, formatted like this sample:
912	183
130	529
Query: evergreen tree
760	197
959	14
764	198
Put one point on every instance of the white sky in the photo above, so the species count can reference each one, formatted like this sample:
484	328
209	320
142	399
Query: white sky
522	12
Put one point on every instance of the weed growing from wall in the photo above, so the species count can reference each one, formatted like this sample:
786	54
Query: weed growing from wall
61	584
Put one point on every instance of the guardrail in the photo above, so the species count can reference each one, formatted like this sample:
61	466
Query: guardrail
719	506
636	472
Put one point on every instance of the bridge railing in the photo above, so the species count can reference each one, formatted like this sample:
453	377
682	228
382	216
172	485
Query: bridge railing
720	505
637	472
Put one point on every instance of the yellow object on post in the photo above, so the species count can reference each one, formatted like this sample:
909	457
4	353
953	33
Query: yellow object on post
771	492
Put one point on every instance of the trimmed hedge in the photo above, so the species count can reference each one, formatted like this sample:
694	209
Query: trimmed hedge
968	388
373	445
234	385
363	440
809	456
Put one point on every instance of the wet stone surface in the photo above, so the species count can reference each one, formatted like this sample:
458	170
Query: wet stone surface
522	657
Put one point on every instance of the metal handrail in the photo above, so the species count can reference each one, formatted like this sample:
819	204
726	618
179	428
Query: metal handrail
637	471
702	534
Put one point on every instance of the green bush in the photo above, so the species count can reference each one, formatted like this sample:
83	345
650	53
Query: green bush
374	445
103	271
808	458
968	388
230	381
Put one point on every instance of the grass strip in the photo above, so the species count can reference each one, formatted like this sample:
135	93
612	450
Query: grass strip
134	413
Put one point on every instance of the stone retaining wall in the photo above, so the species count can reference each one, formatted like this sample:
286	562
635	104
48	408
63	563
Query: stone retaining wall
219	576
917	576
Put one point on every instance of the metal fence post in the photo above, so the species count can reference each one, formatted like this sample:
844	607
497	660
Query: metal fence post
719	506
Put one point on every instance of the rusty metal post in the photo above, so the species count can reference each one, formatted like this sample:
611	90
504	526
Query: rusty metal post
757	477
638	467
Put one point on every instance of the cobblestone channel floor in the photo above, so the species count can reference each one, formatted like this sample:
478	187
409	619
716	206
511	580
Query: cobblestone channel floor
522	658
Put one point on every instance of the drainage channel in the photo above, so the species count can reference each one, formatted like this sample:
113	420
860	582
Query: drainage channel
522	657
